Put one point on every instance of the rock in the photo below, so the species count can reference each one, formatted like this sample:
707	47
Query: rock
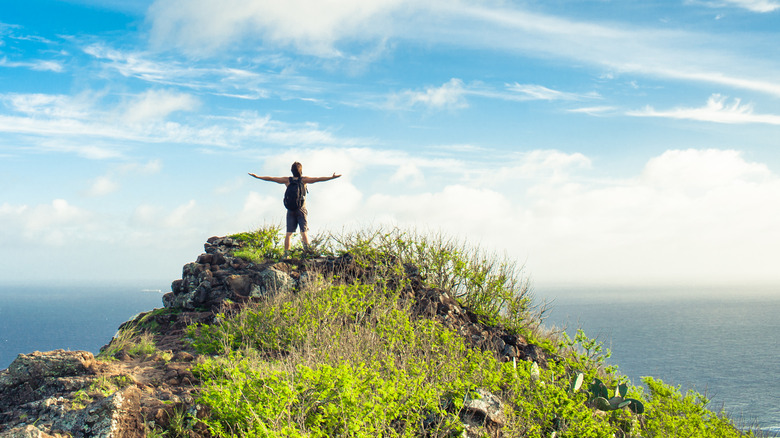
270	282
240	285
117	415
483	410
28	431
57	363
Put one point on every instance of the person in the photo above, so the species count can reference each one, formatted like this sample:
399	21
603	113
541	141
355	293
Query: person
296	217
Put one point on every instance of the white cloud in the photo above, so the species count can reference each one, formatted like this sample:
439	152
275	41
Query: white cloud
87	124
151	167
222	81
706	216
209	25
408	174
182	216
156	105
761	6
451	95
691	216
53	224
716	110
593	110
38	65
702	170
497	26
539	92
102	186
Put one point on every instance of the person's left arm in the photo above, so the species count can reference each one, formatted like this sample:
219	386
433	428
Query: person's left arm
314	179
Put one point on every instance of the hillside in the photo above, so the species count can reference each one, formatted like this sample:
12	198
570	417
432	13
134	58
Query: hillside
377	333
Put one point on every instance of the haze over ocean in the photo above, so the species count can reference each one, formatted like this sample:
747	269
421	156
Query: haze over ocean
724	346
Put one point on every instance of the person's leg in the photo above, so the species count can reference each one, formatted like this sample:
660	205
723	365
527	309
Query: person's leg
303	226
292	223
287	242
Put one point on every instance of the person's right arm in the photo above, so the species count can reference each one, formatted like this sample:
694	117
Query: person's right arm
276	179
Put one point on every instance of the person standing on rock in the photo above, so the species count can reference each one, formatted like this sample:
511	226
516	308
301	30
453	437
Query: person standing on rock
295	200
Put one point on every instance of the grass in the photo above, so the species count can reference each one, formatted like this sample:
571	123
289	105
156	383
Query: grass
134	341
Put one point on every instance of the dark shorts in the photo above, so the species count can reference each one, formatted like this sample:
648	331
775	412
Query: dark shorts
297	218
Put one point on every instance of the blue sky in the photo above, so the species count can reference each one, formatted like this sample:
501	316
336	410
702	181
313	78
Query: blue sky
598	142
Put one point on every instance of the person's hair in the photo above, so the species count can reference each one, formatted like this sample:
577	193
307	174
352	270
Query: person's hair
297	169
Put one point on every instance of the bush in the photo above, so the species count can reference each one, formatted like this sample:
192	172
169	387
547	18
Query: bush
350	359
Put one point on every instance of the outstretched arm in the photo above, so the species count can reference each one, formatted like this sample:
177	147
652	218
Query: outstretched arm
314	179
276	179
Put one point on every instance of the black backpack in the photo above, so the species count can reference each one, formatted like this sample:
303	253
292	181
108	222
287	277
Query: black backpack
295	194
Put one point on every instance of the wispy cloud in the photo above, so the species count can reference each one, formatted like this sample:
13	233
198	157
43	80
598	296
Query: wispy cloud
539	92
717	110
621	48
38	65
593	110
453	95
450	95
211	25
761	6
153	105
144	118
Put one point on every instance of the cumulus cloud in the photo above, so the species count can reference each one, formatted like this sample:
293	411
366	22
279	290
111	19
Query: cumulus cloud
53	224
696	216
717	110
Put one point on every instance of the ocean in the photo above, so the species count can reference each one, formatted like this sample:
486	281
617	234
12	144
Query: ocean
721	343
69	317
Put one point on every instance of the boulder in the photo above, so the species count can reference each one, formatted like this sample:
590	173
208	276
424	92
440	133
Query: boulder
118	415
28	431
58	363
270	282
482	409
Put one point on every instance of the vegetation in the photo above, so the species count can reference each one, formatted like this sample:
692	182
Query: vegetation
134	341
348	357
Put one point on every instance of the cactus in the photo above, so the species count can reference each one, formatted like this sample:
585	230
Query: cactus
598	397
621	390
598	389
576	382
636	406
602	404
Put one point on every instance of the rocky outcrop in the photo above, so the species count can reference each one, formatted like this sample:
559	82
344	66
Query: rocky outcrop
44	389
217	276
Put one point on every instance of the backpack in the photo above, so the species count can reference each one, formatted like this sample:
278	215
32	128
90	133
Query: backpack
295	194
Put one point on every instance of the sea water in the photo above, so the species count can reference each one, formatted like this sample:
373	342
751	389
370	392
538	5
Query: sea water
68	317
722	344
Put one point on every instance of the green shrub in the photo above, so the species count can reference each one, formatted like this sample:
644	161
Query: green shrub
349	359
260	245
672	413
